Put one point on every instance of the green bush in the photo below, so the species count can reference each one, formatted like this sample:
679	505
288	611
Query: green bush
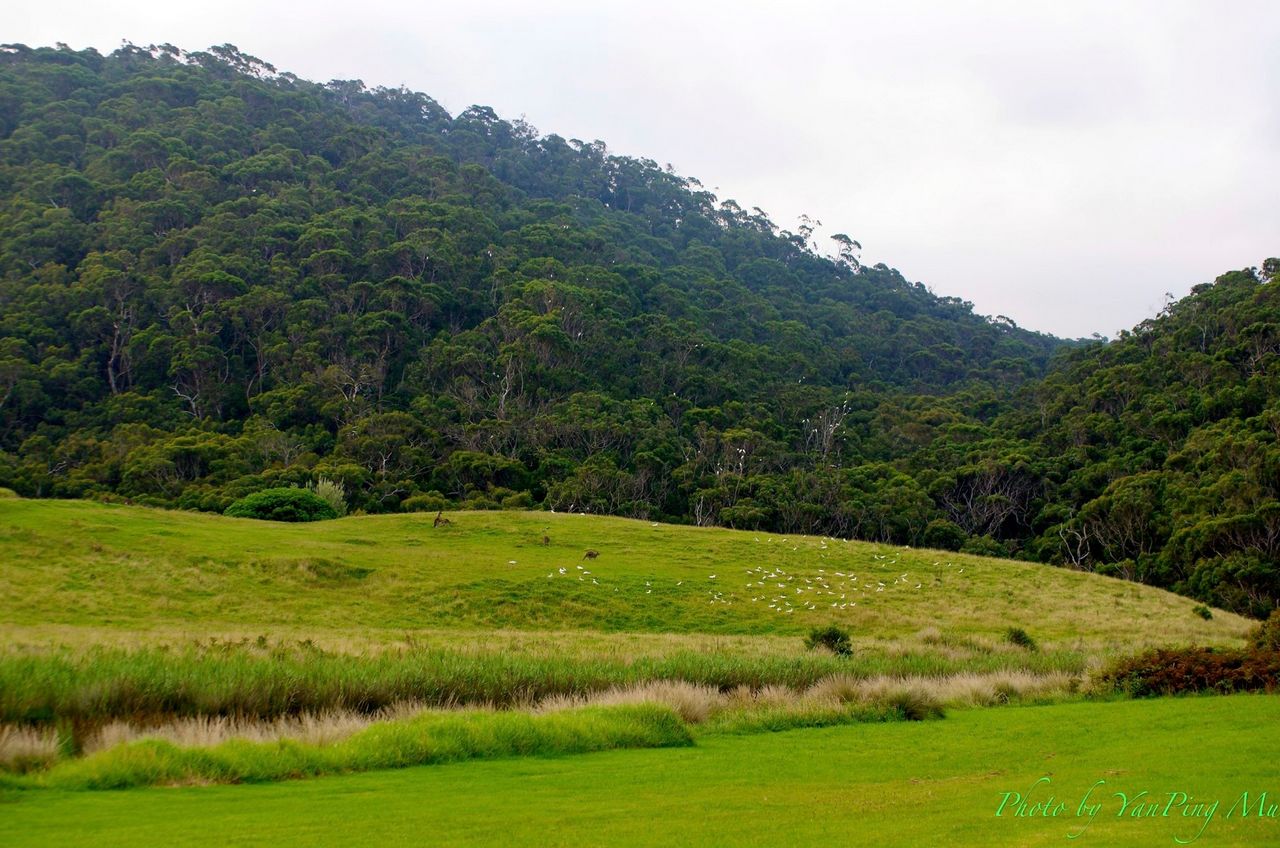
830	637
1267	636
519	500
1021	638
432	501
1203	611
283	505
984	546
944	535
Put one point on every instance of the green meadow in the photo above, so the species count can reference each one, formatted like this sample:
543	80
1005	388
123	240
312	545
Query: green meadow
488	681
105	570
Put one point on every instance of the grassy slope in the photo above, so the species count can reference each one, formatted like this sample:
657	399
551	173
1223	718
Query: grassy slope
67	565
846	785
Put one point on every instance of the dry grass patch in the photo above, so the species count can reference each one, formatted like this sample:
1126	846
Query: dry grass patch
27	748
324	728
915	697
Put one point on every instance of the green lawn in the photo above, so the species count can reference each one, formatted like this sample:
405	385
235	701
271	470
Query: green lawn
909	784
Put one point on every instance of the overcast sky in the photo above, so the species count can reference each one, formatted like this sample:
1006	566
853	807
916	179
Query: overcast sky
1061	163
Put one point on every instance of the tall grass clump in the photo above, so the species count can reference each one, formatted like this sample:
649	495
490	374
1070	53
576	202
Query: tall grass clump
25	749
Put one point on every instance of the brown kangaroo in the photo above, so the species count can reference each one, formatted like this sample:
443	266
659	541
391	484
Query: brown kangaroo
441	520
590	554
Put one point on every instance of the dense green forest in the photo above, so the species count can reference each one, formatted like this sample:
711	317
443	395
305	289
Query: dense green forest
217	278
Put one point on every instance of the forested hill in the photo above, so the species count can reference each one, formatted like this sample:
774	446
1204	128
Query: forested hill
196	240
216	278
1164	446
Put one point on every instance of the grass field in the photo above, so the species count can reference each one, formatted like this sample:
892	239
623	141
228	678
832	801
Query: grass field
645	695
912	784
110	570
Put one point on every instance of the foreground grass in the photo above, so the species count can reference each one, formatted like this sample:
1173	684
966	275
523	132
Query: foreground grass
428	738
66	564
662	714
906	784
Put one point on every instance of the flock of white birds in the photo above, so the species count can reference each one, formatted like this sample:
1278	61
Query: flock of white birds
784	592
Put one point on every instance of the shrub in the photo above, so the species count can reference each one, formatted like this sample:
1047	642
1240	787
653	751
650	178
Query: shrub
519	500
1021	638
1267	636
1203	611
331	492
432	501
830	637
283	505
944	535
1167	671
984	546
7	493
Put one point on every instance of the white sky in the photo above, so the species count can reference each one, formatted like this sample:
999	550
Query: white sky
1063	163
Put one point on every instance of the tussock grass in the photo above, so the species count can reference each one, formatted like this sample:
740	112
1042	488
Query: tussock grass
428	738
27	748
772	708
831	698
693	702
206	731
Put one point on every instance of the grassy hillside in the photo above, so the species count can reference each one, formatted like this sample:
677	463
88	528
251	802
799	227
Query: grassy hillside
84	571
795	788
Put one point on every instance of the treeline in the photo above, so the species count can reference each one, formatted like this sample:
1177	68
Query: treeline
216	278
